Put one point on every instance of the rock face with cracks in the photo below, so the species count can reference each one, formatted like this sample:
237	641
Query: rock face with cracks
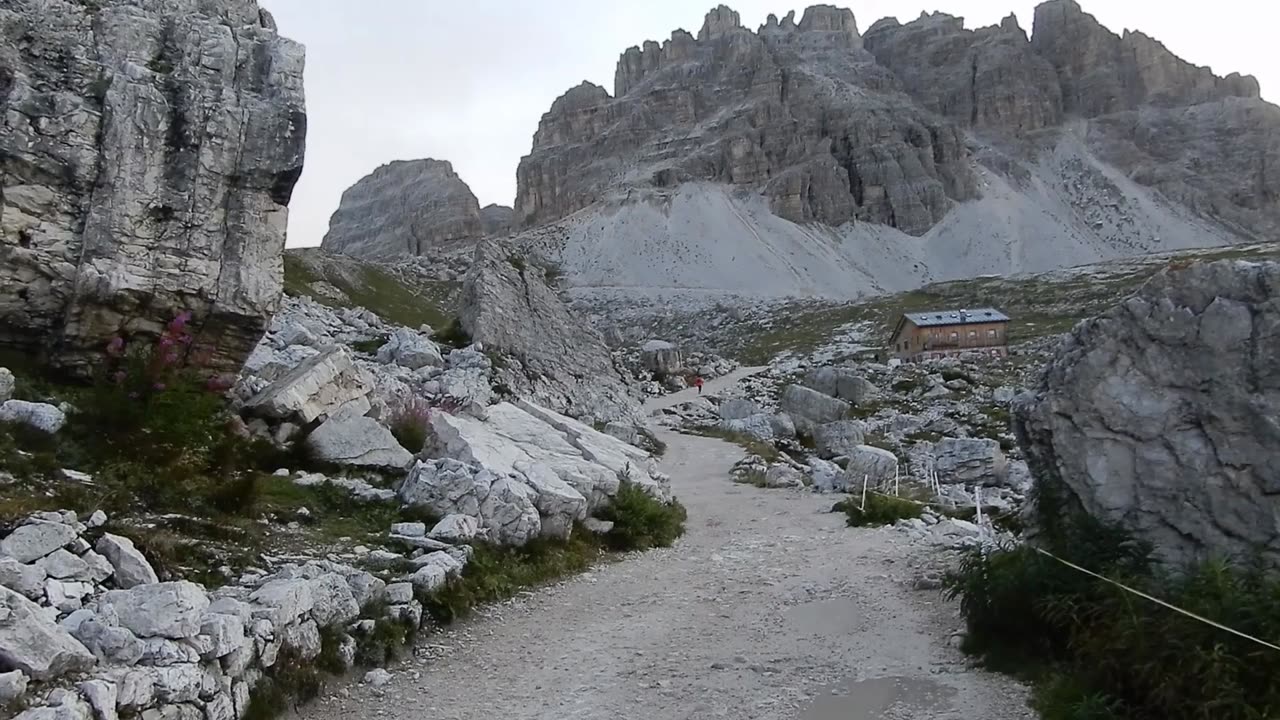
555	358
148	150
1160	415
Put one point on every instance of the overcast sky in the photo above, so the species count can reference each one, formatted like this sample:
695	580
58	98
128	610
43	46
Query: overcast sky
468	81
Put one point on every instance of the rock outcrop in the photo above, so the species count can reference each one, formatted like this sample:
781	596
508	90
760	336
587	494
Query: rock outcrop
1161	414
408	208
553	357
148	152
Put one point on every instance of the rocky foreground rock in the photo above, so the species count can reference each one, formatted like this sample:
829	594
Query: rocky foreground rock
1160	415
151	148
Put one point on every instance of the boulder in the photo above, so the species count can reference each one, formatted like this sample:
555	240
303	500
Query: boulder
13	685
142	183
332	602
1160	415
162	610
838	438
41	416
875	465
808	407
738	409
509	512
317	388
283	600
22	578
447	487
358	441
37	539
32	643
827	477
661	357
64	565
783	476
101	696
628	433
407	348
7	384
434	570
559	504
131	567
758	427
970	461
106	640
456	528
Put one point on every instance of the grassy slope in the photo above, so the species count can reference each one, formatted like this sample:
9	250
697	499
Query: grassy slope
1040	305
371	287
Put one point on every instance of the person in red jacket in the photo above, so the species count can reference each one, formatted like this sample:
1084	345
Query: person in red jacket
697	382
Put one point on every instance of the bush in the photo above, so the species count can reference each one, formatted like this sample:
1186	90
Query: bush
411	424
879	510
454	336
641	521
1097	651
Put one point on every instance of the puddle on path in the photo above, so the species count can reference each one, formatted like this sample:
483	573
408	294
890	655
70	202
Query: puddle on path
826	617
891	698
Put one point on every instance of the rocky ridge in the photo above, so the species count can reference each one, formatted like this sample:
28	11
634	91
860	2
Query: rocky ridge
715	164
150	148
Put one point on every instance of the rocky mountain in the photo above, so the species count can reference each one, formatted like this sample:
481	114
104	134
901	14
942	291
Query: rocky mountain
806	158
148	152
411	208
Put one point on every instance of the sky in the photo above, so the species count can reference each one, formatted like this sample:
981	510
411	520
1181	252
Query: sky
468	81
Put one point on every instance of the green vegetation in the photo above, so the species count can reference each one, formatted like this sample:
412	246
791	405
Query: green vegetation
759	448
879	510
1040	305
372	288
641	521
453	335
1094	651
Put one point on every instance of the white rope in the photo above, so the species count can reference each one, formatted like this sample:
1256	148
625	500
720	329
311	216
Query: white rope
1157	600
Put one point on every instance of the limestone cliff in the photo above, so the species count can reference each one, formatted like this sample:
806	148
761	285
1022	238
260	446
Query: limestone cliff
798	111
903	126
148	151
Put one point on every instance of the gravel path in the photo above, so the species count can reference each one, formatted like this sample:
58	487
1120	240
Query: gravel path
768	608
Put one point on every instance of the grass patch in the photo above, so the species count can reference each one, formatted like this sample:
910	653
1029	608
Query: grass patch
880	510
753	446
453	335
370	347
1095	651
377	290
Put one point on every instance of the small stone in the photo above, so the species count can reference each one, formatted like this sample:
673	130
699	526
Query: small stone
13	685
456	528
102	697
411	529
399	593
377	678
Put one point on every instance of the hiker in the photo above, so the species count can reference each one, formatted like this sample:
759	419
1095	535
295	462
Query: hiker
697	382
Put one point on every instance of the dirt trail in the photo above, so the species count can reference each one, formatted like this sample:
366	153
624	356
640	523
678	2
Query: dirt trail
769	608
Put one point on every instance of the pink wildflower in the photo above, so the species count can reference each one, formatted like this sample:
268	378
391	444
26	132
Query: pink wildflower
115	348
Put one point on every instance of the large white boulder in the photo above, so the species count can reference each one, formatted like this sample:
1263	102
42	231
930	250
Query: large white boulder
318	387
131	567
37	539
358	441
970	461
447	487
407	348
808	407
41	416
34	644
558	503
872	464
162	610
838	438
509	512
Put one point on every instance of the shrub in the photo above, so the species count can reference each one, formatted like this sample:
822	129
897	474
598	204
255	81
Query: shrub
1097	651
411	424
641	521
454	336
370	346
879	510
